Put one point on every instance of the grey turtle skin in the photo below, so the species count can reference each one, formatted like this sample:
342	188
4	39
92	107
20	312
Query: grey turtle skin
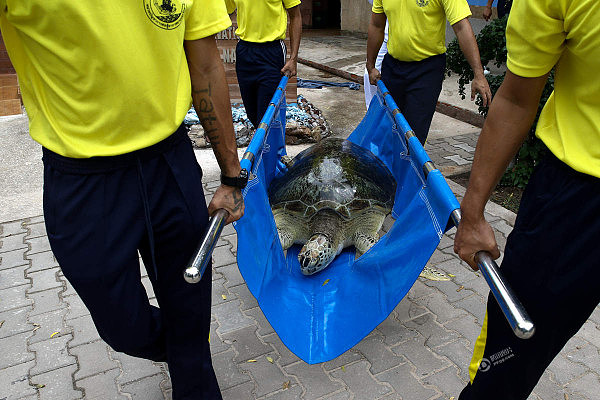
335	194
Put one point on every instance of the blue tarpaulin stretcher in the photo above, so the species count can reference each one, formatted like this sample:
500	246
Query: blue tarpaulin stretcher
319	317
316	320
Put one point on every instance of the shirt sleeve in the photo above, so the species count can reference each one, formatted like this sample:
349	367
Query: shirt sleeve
205	18
230	4
456	10
290	3
535	37
377	7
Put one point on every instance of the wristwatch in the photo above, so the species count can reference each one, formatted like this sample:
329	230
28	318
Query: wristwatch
239	181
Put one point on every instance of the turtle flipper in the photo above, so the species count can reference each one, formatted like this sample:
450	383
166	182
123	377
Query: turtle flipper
363	242
289	229
286	237
366	231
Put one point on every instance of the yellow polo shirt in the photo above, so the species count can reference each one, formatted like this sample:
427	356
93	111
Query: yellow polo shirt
261	21
417	28
542	34
101	78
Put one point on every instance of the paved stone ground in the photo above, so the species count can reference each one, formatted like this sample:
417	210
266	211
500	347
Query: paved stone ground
51	350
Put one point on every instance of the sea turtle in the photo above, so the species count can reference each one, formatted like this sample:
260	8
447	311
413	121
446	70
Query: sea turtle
334	194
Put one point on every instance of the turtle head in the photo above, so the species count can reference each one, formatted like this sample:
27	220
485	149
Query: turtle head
316	254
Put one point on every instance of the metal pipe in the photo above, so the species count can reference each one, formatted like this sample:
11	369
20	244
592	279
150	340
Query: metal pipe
513	310
511	307
197	265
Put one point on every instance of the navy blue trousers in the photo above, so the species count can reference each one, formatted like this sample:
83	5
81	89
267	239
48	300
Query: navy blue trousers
99	213
415	87
550	261
258	68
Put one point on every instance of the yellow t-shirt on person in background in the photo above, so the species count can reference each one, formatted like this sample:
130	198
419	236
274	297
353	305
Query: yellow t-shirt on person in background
543	33
101	78
417	28
261	21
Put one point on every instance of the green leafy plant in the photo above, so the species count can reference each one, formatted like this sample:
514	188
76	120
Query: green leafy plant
492	49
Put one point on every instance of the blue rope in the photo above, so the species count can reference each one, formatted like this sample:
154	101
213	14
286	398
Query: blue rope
313	84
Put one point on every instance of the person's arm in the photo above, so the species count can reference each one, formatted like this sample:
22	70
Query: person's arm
468	45
508	122
487	11
374	40
291	65
210	96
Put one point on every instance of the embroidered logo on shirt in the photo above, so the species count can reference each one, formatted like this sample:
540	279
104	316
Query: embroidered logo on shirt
422	3
166	14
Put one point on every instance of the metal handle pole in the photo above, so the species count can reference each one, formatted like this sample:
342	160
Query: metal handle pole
512	308
197	265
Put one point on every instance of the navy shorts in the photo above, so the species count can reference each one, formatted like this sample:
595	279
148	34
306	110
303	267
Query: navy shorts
415	87
550	261
99	213
258	68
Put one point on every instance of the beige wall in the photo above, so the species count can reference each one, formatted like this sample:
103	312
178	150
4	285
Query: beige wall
355	15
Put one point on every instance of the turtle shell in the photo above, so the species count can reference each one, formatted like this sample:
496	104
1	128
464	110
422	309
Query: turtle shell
335	174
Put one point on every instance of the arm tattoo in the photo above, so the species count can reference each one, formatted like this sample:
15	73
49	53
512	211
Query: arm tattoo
206	113
237	201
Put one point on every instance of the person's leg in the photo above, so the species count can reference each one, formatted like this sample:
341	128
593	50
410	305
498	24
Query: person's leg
95	224
178	213
549	262
247	77
271	61
424	84
501	8
392	75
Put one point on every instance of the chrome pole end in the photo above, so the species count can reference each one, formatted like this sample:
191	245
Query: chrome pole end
524	330
192	275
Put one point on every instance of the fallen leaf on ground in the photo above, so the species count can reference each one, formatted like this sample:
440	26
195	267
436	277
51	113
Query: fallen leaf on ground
326	282
286	385
39	385
54	334
1	323
451	276
460	288
251	360
224	297
269	359
343	368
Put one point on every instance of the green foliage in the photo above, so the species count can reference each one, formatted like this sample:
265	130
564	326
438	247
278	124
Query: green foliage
492	49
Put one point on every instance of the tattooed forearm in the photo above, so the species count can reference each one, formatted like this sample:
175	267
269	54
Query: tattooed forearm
206	113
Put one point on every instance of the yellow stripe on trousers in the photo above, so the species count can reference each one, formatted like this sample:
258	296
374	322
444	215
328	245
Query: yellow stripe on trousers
479	349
